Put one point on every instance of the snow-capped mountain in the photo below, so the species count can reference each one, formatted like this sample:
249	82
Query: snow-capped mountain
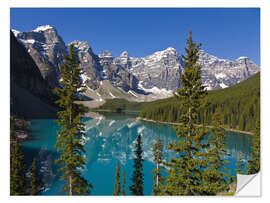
160	70
90	63
220	73
146	78
46	48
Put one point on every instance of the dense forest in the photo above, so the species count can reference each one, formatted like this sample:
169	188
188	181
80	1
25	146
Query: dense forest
240	106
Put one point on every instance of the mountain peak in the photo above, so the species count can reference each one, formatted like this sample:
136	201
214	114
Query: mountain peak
242	58
159	70
81	45
170	49
15	32
43	28
203	52
163	53
205	57
124	54
105	54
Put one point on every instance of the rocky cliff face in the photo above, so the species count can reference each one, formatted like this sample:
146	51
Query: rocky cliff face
156	74
220	73
114	72
160	69
46	48
31	95
90	63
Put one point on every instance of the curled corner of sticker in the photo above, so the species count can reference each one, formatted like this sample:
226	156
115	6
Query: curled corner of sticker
248	185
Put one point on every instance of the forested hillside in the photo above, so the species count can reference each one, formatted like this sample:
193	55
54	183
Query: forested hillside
240	105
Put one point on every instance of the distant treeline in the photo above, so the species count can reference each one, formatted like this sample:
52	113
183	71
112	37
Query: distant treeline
122	105
240	105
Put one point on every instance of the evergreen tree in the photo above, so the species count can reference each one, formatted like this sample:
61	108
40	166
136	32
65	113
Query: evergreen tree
158	159
254	164
18	181
137	176
236	108
240	164
12	129
186	171
123	192
70	136
36	184
117	186
216	179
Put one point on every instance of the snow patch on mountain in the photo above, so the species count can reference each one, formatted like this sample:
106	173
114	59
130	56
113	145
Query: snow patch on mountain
159	91
81	45
220	75
15	32
222	85
208	87
242	57
157	56
27	41
132	93
155	90
84	78
42	28
112	95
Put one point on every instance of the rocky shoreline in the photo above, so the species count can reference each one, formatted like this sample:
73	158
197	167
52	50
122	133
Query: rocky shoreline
171	123
20	130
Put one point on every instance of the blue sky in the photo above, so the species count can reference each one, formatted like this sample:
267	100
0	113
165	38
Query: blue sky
224	32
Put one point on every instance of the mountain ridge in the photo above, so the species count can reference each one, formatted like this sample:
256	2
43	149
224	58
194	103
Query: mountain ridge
142	78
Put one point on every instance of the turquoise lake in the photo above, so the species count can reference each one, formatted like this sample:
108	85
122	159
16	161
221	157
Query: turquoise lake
111	138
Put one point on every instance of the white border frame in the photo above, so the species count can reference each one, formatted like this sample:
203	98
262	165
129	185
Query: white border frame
265	74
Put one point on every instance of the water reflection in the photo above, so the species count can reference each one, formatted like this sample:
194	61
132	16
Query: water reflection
110	139
114	138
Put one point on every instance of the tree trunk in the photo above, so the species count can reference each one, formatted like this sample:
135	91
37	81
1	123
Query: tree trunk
70	185
189	116
157	175
70	178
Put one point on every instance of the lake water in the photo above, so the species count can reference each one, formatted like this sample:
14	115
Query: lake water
111	138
